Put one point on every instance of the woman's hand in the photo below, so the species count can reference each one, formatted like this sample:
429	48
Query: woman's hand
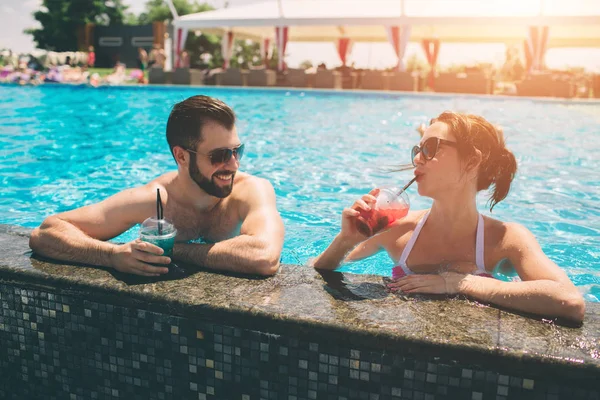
444	283
352	214
349	236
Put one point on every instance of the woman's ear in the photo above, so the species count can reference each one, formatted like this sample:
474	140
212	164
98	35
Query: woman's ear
474	162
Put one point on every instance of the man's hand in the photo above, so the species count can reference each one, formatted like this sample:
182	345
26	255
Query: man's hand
444	283
135	257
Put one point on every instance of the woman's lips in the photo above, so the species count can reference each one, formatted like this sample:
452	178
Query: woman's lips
419	175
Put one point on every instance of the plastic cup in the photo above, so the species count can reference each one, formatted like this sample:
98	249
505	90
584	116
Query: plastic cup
160	233
392	204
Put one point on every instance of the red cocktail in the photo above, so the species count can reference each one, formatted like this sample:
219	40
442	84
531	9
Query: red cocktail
392	204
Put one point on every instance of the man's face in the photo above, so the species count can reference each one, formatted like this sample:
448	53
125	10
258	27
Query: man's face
216	179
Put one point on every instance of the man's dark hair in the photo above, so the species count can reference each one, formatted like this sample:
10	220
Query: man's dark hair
184	127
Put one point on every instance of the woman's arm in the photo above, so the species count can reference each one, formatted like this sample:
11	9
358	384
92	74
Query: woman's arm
343	249
349	236
544	289
334	254
542	297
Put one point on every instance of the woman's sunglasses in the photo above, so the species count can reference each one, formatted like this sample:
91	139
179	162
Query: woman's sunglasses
222	156
429	148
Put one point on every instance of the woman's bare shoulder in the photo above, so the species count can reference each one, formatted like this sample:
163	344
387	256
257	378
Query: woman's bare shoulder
412	218
506	235
394	239
406	224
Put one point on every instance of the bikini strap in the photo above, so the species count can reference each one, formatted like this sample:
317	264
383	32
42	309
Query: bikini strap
411	242
479	246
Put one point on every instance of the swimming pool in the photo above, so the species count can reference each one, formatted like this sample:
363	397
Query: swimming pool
64	147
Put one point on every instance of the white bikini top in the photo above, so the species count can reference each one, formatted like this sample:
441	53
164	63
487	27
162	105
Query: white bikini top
479	244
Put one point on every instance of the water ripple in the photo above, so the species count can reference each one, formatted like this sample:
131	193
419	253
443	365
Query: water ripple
63	147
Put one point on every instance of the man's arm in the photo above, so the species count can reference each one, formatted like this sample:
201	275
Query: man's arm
79	235
258	247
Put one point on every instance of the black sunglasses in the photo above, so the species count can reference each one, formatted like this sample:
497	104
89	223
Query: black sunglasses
222	156
429	148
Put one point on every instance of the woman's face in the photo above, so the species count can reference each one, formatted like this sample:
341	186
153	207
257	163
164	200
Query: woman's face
442	173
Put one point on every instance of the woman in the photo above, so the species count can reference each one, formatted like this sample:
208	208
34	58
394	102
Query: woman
91	61
142	59
451	248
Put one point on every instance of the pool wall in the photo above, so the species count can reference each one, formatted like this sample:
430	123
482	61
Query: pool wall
85	333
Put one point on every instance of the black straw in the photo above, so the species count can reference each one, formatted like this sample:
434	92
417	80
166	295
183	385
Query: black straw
159	211
406	186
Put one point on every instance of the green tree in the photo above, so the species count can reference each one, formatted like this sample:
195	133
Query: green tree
196	45
158	10
274	60
131	19
60	20
416	63
245	54
306	64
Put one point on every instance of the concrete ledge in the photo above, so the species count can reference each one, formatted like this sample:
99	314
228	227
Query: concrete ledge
337	316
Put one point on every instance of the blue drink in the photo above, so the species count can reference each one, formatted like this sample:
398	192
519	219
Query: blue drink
164	242
160	233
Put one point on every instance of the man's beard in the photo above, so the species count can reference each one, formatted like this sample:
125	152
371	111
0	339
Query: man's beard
208	184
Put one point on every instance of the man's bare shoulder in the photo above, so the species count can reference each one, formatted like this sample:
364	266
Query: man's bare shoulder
247	186
244	178
252	193
145	195
163	182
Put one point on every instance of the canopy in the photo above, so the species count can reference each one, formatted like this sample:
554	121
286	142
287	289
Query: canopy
572	23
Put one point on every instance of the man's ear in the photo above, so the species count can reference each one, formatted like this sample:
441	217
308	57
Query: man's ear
181	155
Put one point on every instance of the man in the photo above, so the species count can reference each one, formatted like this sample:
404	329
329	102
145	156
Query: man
153	54
142	59
205	199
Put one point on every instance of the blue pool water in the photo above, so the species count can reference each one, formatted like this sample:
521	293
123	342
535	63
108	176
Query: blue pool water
64	147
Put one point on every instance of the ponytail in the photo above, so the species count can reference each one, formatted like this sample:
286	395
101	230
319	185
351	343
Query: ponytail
498	165
504	167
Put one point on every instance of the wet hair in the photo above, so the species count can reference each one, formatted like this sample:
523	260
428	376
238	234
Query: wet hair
498	164
184	127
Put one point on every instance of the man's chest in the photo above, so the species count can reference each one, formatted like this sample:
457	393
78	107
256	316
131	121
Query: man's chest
219	224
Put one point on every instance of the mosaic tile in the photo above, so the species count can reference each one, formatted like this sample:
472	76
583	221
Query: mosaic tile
114	351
